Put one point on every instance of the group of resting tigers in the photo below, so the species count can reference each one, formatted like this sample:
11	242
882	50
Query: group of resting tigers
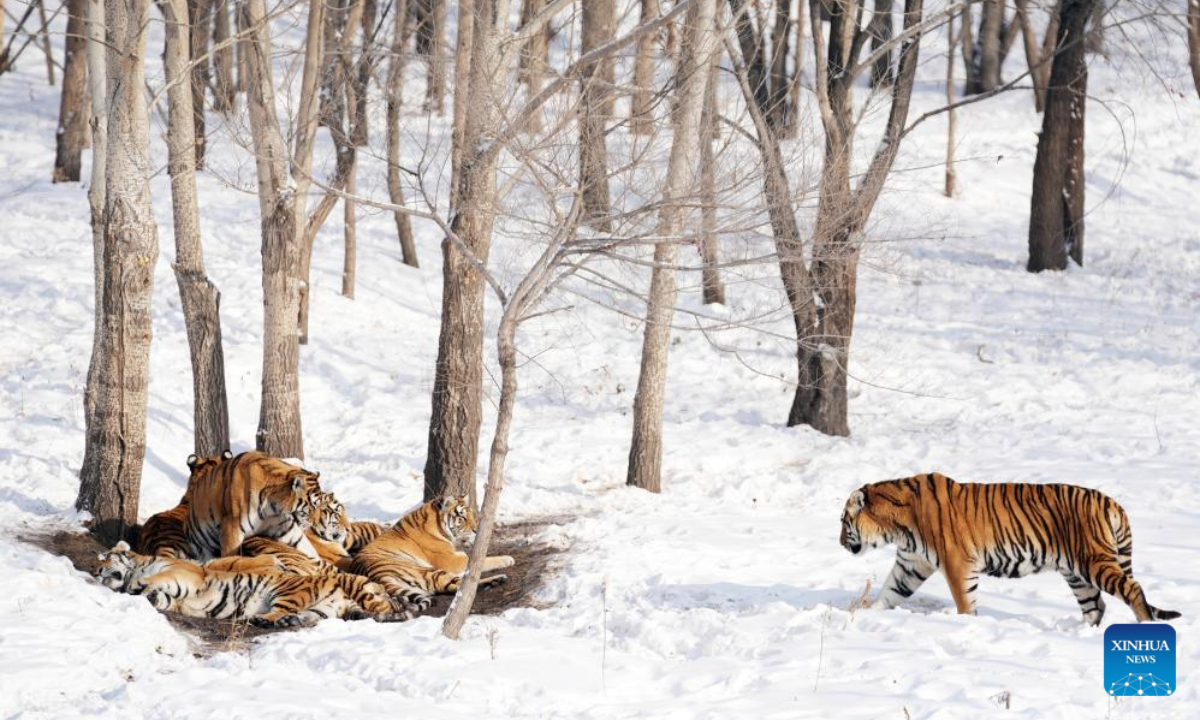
255	538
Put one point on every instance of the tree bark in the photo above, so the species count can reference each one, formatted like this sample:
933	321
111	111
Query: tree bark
200	299
431	42
44	33
116	442
780	111
1193	20
464	45
713	288
642	104
1032	56
200	14
645	450
950	186
535	59
984	71
359	133
395	99
98	91
71	134
225	87
350	257
1056	212
881	32
595	109
753	55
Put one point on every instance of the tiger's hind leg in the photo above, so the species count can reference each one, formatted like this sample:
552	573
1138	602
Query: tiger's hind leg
1088	597
1109	576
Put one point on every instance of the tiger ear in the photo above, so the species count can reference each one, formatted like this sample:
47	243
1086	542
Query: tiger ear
297	484
121	547
228	454
192	462
856	502
444	502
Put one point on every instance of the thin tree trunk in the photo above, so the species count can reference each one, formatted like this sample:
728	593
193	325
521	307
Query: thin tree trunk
1032	56
464	45
642	104
44	34
359	133
116	444
713	287
535	58
780	113
240	48
881	32
350	259
431	42
950	188
595	109
645	450
793	126
98	91
751	43
1193	20
1056	212
1049	45
458	378
395	99
225	89
72	112
200	14
200	299
984	74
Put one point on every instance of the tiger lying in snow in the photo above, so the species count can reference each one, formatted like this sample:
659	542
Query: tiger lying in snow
244	588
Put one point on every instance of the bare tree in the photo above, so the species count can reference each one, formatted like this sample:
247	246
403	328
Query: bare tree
1057	207
116	441
642	105
71	134
1193	24
713	288
881	32
950	185
98	91
596	94
395	99
431	42
225	81
200	16
535	58
645	450
282	200
200	299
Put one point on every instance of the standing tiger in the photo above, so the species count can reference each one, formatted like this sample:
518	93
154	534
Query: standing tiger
265	598
419	556
232	499
998	529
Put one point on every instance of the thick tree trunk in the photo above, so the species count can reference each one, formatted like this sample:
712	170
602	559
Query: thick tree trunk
595	109
71	134
98	91
458	378
200	14
1193	21
983	72
1056	212
881	32
225	85
116	442
395	99
642	105
200	299
645	449
713	287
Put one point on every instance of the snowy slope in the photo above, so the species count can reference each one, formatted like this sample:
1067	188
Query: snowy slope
727	596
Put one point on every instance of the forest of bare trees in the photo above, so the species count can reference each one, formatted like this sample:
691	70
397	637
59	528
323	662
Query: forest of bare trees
615	122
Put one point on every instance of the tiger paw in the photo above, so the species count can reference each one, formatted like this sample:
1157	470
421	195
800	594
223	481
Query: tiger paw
158	599
392	616
497	579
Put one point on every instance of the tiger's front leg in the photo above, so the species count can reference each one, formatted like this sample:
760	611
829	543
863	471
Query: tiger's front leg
231	537
908	574
497	562
963	578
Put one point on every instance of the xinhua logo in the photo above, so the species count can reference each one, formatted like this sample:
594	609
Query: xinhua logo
1139	660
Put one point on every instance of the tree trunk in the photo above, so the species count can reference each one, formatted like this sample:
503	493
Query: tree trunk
1193	21
200	299
984	73
464	45
116	442
431	42
713	287
535	58
350	258
98	91
793	126
225	88
950	187
359	134
45	36
595	108
1032	56
283	198
780	111
1056	212
395	99
72	112
642	104
645	450
750	41
458	378
200	13
881	32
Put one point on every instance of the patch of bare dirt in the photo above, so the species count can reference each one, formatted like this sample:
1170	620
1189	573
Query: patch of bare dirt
533	564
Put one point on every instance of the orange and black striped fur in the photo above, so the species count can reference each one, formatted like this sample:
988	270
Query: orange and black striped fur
1002	530
232	499
292	560
165	534
268	599
126	571
419	556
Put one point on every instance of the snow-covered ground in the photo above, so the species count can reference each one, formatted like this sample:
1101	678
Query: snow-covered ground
727	596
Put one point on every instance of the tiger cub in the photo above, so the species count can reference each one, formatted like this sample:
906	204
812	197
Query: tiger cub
251	494
419	555
1002	530
266	599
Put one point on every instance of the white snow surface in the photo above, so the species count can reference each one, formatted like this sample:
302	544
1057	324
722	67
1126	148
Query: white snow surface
727	596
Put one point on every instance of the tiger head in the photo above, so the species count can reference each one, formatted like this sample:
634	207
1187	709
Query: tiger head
874	517
302	498
331	522
203	465
455	514
117	566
